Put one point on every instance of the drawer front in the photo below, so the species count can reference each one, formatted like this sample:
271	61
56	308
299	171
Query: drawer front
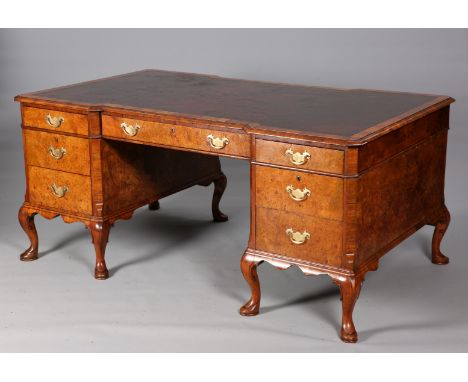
59	190
299	192
220	142
56	151
55	120
315	239
301	157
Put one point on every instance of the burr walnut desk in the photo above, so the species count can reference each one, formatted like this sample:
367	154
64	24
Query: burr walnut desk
338	177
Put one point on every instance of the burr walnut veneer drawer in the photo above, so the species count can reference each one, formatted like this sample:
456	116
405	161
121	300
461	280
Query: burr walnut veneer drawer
220	142
301	157
57	151
321	238
59	190
56	120
296	191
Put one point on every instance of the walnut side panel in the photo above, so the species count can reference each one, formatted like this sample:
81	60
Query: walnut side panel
134	175
401	194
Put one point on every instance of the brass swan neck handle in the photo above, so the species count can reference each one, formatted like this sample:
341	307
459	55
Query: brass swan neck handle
297	237
58	191
217	143
54	121
56	153
296	157
297	194
130	130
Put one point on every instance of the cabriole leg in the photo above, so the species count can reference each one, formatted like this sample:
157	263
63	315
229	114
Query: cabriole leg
249	271
350	288
439	232
26	220
219	187
100	235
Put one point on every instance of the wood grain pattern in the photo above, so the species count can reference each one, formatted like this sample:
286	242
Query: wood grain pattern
325	200
177	136
135	175
76	199
72	123
75	159
401	193
324	246
321	159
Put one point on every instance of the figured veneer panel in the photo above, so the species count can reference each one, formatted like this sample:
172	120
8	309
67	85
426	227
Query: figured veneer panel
177	136
76	199
75	159
134	175
401	193
71	123
321	159
324	246
326	192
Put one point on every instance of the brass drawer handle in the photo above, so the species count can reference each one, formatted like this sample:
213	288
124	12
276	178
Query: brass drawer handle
57	153
297	194
54	121
130	130
217	143
58	191
297	237
296	157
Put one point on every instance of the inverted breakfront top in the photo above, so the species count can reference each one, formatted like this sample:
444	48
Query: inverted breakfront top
270	108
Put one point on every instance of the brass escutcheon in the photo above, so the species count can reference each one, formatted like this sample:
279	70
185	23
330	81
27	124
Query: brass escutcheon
57	153
296	157
54	121
130	130
297	194
217	143
58	191
297	237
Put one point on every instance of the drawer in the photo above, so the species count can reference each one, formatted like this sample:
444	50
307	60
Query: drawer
317	240
296	156
56	151
59	190
55	120
299	192
220	142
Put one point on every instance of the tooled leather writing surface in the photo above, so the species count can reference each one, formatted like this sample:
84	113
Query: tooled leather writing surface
288	107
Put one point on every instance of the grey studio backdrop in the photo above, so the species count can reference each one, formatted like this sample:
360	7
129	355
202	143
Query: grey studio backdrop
175	282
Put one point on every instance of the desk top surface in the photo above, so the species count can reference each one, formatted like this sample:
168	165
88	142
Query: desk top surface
308	110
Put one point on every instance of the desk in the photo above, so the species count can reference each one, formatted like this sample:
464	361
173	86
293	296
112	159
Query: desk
338	177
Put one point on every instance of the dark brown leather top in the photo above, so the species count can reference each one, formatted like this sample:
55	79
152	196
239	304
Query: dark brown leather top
282	106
